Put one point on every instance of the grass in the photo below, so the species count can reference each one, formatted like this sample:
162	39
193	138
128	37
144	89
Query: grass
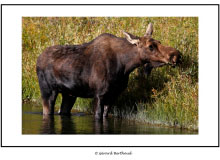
169	96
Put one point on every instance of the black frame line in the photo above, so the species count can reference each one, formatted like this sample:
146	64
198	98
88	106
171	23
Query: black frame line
112	5
1	75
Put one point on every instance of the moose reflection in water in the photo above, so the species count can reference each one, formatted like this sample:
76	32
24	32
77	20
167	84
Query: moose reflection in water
68	125
99	69
86	124
48	125
33	122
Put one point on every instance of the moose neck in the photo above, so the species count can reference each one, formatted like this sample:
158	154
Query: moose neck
131	60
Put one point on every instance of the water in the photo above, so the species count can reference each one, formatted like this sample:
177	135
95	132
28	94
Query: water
33	122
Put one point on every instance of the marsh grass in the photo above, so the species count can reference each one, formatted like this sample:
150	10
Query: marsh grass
169	96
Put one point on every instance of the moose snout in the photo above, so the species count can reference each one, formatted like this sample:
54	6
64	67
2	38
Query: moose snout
175	58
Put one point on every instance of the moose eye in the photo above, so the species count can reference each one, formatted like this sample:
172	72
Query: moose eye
151	47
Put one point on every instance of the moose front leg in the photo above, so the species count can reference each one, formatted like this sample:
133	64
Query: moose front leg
106	110
67	104
99	107
108	103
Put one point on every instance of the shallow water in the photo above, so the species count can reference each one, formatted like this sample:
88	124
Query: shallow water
33	122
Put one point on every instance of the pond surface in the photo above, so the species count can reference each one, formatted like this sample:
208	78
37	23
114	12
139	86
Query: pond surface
33	122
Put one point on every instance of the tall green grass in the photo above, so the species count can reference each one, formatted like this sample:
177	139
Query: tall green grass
169	96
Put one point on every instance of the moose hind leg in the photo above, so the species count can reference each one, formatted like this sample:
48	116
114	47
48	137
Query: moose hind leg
49	102
67	104
48	95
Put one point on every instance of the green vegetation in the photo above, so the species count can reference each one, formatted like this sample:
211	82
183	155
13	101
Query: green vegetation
169	96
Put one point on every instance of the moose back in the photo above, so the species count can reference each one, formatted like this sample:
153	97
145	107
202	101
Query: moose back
98	69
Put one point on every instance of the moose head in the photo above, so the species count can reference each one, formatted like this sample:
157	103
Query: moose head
152	52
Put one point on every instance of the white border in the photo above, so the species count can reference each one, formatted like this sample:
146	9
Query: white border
208	76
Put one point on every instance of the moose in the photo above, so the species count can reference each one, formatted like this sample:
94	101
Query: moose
98	69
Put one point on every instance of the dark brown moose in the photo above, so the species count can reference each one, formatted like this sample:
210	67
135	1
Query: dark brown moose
98	69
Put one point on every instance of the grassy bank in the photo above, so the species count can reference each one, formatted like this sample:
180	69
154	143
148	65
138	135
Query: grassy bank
169	96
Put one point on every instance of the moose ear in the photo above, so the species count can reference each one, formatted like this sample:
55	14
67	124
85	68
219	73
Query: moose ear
149	30
131	38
